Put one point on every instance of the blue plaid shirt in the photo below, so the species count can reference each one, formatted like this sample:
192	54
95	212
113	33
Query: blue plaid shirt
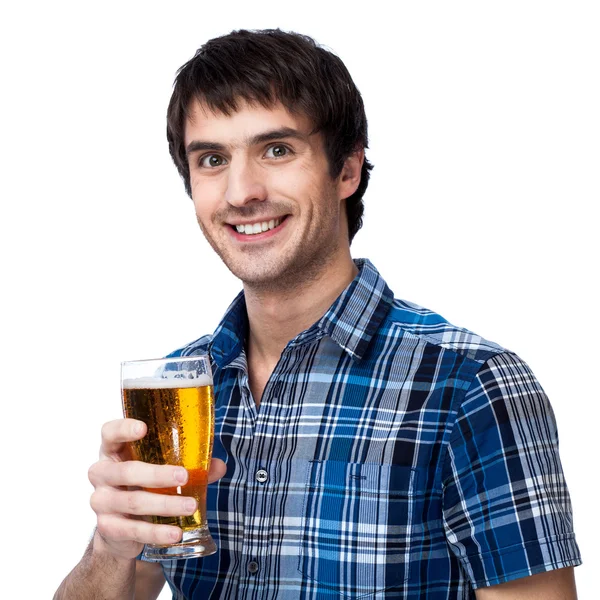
393	456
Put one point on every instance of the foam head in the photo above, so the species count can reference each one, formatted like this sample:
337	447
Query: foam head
162	383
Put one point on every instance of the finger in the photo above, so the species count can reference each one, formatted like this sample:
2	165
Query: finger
217	469
117	528
136	473
108	500
116	433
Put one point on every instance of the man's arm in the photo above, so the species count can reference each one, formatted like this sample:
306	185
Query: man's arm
552	585
149	580
506	506
101	574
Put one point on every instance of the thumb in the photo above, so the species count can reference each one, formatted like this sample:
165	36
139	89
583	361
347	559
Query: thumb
217	469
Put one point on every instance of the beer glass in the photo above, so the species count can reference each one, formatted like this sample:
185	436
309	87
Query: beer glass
174	397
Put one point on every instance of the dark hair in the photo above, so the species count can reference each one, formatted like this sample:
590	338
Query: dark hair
266	67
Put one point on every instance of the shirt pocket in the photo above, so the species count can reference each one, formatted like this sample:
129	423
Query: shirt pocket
357	526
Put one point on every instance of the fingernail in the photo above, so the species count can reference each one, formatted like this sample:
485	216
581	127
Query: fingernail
137	429
189	505
174	535
181	475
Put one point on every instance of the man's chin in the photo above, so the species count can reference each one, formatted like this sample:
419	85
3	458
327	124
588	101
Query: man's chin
255	279
276	277
252	274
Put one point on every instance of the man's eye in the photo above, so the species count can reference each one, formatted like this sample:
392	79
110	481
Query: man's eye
210	161
277	151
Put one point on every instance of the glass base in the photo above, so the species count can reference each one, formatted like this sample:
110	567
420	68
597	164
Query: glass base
194	543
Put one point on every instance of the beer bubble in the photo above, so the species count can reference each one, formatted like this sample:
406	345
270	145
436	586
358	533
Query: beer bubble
155	383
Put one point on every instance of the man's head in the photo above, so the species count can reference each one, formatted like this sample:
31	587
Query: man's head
266	68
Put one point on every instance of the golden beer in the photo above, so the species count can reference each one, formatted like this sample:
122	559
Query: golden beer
179	414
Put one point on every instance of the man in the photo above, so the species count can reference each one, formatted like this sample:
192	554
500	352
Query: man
373	450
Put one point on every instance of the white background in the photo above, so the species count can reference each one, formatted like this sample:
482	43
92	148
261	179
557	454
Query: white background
484	131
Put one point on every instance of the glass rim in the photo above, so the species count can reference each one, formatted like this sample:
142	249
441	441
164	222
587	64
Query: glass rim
172	359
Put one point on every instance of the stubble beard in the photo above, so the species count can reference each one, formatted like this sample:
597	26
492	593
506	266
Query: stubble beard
306	258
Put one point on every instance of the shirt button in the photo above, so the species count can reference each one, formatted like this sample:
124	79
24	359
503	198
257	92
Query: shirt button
261	476
252	567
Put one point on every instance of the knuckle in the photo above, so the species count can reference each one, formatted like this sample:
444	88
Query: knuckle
160	475
120	532
181	509
137	532
173	506
103	526
133	503
95	502
127	528
161	535
105	430
127	472
158	536
93	473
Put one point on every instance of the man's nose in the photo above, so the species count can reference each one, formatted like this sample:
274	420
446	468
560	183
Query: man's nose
245	184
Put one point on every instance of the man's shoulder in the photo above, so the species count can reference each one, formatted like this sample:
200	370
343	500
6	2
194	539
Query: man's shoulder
434	329
199	346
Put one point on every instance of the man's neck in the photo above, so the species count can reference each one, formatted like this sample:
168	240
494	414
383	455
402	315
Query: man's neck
277	316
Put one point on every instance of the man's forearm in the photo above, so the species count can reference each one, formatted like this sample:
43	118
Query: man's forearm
99	575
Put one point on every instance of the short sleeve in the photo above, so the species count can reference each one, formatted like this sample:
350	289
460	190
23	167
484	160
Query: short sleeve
507	511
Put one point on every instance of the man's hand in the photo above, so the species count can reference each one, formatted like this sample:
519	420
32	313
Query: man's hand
119	504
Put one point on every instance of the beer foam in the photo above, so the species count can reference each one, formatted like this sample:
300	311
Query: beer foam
155	383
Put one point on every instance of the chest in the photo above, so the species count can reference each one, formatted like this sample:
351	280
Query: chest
319	403
332	483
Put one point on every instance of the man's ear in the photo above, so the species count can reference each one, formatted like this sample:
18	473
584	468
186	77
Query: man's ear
349	178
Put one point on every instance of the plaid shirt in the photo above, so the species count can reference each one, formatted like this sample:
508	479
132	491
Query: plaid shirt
393	456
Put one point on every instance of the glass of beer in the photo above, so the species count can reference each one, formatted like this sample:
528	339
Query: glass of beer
174	397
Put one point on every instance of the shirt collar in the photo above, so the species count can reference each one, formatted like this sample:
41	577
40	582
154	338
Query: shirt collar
351	321
356	314
229	336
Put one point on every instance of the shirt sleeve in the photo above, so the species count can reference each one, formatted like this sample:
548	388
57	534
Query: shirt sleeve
506	507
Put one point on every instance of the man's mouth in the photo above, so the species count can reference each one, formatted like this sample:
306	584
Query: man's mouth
258	226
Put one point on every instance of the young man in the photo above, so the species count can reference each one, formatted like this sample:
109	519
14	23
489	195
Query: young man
373	450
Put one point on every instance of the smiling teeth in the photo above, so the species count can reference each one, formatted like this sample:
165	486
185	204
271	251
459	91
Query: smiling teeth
252	229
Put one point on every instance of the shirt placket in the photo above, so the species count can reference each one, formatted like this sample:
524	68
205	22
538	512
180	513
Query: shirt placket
260	484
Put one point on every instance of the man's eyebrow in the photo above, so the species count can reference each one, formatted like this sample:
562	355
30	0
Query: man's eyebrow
199	145
277	134
259	138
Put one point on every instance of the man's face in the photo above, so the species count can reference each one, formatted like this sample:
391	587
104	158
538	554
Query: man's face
263	194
